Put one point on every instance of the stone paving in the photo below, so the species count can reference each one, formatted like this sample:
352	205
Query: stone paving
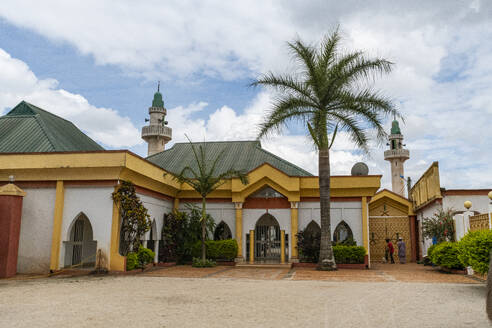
410	272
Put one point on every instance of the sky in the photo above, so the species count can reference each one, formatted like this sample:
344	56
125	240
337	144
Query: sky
97	63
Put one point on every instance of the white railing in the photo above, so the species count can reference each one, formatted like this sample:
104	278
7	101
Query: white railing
156	130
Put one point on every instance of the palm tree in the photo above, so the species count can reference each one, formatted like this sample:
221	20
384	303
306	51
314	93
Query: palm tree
204	179
330	93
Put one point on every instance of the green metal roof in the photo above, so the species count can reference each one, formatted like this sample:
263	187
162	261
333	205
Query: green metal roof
157	101
237	155
27	128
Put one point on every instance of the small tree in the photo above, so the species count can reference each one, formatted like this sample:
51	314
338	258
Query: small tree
440	226
135	221
203	177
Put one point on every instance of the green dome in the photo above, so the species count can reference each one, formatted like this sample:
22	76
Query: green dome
395	127
157	102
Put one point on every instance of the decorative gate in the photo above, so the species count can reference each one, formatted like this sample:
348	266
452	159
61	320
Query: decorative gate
381	228
267	239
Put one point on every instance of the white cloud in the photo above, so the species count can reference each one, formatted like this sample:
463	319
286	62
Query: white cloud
442	79
107	126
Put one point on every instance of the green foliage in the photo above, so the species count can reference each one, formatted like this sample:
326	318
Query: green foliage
346	242
204	179
180	232
131	261
446	255
199	263
135	221
430	250
225	250
440	226
474	249
349	254
308	244
138	260
145	256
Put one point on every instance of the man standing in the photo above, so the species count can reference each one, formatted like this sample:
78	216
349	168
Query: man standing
402	250
391	250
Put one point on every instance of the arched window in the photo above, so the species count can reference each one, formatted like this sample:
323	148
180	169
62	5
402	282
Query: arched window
222	231
80	249
313	229
343	233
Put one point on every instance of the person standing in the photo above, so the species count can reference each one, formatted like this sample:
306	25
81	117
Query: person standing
391	250
402	250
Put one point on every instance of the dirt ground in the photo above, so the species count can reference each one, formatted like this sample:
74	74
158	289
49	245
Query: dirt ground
229	297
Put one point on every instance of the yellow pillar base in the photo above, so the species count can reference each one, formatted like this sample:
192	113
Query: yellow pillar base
282	246
251	246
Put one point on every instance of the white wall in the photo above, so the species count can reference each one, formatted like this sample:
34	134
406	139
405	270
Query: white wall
97	205
427	212
156	207
350	212
36	230
219	212
480	203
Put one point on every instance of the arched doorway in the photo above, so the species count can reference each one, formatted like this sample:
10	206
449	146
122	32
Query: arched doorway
80	249
267	239
151	240
222	231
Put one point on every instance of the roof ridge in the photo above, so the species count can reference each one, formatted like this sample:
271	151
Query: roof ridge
285	161
43	128
46	112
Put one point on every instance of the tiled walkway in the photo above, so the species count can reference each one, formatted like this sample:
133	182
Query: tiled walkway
410	272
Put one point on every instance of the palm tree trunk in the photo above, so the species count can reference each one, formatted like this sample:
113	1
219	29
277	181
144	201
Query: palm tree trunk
326	258
204	230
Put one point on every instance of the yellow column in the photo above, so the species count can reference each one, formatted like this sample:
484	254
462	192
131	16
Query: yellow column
365	224
251	246
239	228
294	226
57	225
282	246
116	260
176	204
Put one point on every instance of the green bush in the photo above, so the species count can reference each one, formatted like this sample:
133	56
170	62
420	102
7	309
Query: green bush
474	249
446	255
349	254
198	263
430	250
225	250
131	261
145	256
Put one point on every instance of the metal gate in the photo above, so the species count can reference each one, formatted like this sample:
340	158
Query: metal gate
78	237
267	243
392	228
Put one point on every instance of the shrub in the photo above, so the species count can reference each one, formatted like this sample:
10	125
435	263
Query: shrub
145	256
198	263
131	261
441	226
217	249
446	255
430	250
308	244
349	254
474	249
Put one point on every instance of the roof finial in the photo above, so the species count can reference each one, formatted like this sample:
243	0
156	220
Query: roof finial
394	116
158	85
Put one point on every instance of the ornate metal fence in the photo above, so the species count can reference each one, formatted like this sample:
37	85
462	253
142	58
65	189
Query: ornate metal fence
479	222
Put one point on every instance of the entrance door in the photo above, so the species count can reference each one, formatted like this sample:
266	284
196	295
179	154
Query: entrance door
267	239
392	228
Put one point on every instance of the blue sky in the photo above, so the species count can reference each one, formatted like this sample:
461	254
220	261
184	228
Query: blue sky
97	63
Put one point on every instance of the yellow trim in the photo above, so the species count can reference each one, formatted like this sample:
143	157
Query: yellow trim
365	224
294	223
57	226
239	229
117	262
251	246
176	204
398	201
282	246
11	189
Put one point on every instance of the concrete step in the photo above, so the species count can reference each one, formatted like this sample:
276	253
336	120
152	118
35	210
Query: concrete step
264	265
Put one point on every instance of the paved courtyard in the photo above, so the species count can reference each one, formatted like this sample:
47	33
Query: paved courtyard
385	296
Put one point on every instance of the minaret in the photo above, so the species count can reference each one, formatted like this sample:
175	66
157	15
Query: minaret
156	134
396	155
